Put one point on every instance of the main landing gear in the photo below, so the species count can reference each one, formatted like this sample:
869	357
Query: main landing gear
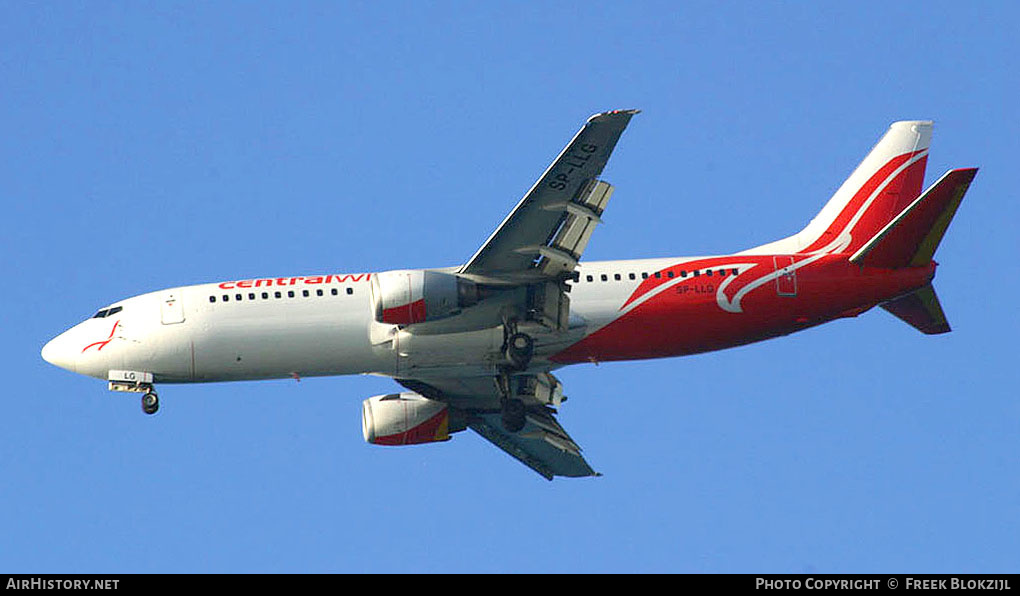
519	350
518	347
513	412
513	415
150	402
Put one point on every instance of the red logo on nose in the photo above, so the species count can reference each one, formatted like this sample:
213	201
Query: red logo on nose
102	344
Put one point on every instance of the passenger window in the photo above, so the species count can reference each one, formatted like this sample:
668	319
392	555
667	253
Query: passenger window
279	295
658	275
226	298
304	293
238	297
683	273
617	277
722	273
734	271
350	291
669	274
590	278
632	276
644	275
334	291
318	292
212	298
251	296
708	272
696	273
265	295
290	293
605	277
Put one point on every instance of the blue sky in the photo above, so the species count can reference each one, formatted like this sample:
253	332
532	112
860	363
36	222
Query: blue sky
149	145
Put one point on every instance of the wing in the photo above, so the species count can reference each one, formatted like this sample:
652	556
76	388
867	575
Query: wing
549	228
542	444
538	245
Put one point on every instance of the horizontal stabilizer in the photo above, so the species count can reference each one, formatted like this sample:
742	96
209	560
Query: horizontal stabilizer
921	310
911	238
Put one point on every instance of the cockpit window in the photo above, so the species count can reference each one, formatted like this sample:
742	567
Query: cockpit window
114	310
106	312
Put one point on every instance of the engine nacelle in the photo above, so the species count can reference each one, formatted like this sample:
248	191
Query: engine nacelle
406	297
406	419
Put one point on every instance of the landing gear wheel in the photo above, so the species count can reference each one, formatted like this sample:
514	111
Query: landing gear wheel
150	403
519	349
513	415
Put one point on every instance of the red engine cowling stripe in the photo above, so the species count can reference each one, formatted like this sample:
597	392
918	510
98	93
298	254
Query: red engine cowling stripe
405	314
432	430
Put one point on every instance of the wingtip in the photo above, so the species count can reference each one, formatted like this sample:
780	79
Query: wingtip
605	115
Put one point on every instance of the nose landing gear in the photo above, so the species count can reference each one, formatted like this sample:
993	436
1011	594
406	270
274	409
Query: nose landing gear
150	402
136	382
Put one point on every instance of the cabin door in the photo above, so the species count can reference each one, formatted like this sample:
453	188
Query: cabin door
171	309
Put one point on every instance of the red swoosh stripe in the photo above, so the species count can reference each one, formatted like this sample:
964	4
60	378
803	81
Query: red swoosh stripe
102	344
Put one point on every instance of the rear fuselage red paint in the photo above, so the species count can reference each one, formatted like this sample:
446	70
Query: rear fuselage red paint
688	315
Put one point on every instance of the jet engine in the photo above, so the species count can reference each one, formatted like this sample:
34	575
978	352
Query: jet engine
407	419
406	297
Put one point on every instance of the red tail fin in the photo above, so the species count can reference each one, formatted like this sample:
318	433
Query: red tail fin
889	179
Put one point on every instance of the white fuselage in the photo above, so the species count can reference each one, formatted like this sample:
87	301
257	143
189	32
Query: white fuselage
303	326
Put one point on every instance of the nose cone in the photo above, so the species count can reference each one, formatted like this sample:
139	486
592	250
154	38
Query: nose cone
58	352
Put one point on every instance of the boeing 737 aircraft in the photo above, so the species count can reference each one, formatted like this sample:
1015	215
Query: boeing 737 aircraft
475	345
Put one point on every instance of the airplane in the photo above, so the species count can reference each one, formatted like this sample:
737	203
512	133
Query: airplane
475	345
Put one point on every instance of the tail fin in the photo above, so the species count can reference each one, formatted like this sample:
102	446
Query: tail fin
888	179
910	239
920	309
